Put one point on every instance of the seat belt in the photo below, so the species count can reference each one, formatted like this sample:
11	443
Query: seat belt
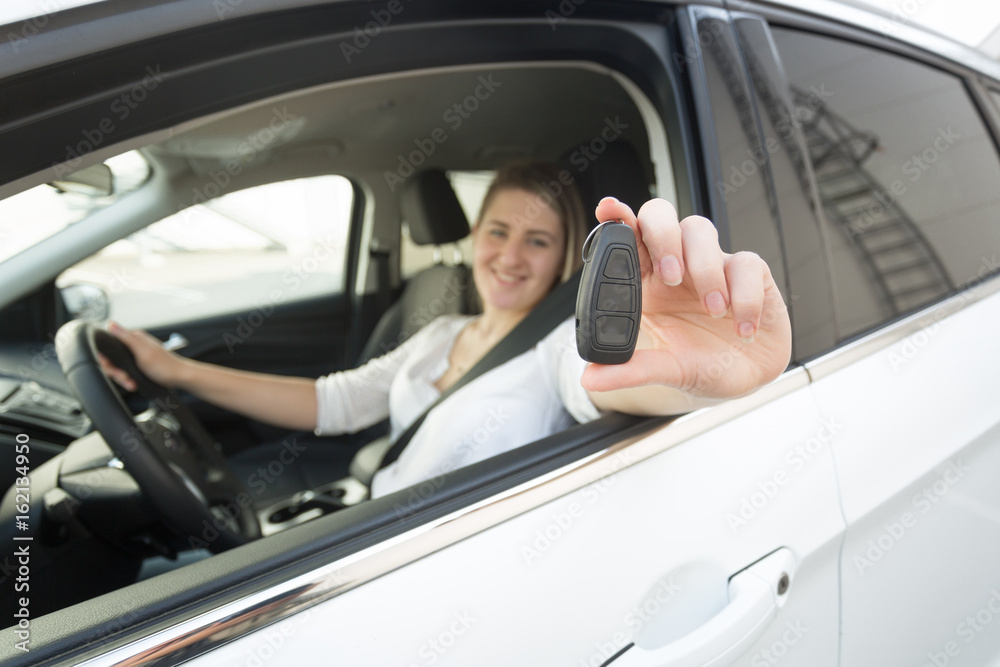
557	305
380	255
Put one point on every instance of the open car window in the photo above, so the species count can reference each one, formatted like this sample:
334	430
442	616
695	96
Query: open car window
284	231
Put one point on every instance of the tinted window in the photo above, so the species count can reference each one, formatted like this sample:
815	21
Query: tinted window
907	174
741	177
809	295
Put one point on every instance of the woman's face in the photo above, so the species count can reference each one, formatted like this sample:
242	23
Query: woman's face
518	251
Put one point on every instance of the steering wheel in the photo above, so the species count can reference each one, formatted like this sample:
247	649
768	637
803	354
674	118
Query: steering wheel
166	449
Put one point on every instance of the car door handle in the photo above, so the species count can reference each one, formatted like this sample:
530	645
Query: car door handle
755	594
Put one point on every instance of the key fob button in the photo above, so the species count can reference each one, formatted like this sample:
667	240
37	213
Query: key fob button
619	265
616	297
613	331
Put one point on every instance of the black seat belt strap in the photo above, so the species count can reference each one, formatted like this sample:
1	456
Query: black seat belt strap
557	305
380	256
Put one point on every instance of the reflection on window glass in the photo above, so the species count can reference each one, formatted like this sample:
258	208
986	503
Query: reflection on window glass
809	296
34	215
908	176
742	181
247	251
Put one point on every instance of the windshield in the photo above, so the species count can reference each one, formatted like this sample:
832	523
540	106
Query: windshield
34	215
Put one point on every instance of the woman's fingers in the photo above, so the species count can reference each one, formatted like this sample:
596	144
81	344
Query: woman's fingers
118	375
705	264
688	252
645	367
661	233
679	250
745	276
610	208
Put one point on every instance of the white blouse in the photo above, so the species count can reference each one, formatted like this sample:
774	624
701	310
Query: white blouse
530	397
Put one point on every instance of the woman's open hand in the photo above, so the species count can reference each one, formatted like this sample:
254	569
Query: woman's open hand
714	324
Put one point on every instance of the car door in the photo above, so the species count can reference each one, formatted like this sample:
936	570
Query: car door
909	212
706	539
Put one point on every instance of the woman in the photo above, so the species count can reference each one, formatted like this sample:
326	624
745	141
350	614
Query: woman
714	326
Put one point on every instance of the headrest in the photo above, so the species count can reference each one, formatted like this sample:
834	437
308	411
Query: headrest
617	172
431	209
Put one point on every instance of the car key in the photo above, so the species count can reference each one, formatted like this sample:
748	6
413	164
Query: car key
609	301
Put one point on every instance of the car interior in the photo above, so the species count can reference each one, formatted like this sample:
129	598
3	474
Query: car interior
407	144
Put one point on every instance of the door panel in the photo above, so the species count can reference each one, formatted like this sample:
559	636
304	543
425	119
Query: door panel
639	552
918	460
907	172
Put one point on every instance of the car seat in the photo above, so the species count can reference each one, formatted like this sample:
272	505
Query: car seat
435	217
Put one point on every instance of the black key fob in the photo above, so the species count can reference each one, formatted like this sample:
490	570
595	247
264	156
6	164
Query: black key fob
609	302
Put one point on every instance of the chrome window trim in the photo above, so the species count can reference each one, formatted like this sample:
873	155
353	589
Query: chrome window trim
870	344
196	636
